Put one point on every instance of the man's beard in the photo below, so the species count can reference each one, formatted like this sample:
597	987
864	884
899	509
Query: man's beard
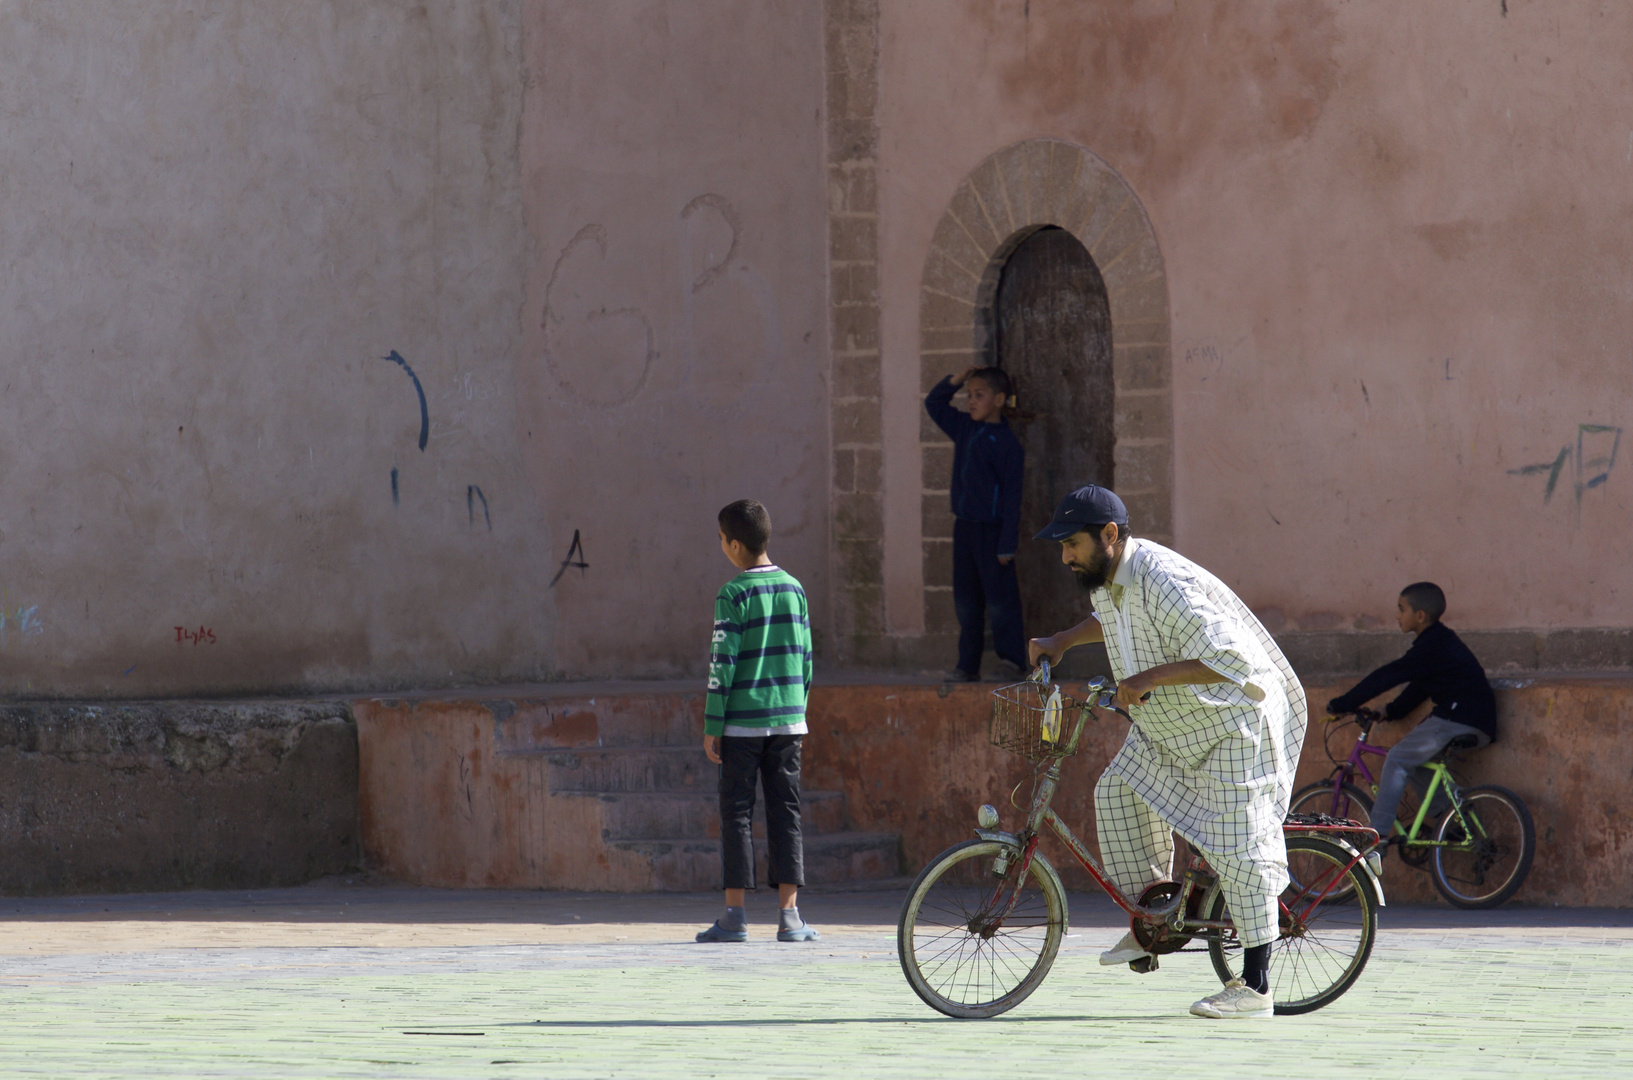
1094	575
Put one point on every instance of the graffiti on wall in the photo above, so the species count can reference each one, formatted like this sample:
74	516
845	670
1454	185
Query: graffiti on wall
574	560
396	357
1588	464
472	494
425	413
20	623
600	353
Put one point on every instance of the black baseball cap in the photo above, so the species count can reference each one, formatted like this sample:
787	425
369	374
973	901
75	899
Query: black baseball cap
1088	505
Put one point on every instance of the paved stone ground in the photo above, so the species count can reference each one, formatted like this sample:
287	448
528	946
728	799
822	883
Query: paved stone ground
339	980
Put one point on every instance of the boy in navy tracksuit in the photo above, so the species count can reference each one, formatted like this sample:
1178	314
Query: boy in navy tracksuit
986	501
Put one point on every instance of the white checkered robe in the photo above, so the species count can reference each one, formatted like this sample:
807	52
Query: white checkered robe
1206	761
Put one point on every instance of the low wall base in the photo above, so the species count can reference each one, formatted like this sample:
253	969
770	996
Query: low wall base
917	758
148	796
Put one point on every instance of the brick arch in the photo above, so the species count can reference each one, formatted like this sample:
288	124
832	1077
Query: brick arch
1009	196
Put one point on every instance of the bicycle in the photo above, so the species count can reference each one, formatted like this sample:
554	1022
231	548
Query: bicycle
983	922
1482	847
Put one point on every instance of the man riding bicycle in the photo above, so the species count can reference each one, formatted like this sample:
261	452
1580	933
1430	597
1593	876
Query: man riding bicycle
1219	720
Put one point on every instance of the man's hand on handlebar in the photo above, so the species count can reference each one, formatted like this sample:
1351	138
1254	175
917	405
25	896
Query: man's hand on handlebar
1044	647
1134	690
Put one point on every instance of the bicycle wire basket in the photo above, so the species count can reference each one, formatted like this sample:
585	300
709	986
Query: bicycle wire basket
1036	720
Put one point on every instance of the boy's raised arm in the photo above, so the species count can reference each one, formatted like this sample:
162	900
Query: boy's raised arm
939	404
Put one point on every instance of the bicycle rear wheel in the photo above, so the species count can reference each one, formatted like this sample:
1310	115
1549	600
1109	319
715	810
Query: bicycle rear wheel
1319	798
1329	921
1484	869
963	948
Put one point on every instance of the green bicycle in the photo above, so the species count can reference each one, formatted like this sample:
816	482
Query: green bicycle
1481	847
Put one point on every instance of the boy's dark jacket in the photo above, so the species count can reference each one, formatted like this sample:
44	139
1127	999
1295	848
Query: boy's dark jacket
1439	667
987	465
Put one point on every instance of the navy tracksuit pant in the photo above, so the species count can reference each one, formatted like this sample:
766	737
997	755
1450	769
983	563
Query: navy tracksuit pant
984	589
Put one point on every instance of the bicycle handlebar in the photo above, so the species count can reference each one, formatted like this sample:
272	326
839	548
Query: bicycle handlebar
1102	691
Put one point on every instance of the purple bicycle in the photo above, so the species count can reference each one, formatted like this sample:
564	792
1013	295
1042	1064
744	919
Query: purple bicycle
1478	842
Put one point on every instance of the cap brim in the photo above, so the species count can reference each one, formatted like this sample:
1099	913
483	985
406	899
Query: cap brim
1059	530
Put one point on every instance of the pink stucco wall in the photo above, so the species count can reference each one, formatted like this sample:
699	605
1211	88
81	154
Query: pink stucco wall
674	331
1397	241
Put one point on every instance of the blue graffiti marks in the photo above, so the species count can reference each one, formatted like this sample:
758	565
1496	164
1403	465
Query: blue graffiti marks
23	623
473	493
394	495
577	549
1590	461
425	413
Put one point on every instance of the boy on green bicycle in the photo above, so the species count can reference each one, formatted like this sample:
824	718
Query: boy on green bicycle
1440	668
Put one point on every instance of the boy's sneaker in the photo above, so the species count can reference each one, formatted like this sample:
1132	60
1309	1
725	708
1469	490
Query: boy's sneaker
960	675
1125	951
1235	1002
720	933
803	932
791	927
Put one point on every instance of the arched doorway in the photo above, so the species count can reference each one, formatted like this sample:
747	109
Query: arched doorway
1008	200
1052	335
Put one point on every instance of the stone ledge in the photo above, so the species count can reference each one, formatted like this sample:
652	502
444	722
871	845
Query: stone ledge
1316	653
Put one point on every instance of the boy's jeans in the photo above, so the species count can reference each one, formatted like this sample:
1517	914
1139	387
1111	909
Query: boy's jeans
983	587
775	761
1421	743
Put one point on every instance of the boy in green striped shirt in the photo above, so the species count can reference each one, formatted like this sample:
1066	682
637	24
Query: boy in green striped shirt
754	722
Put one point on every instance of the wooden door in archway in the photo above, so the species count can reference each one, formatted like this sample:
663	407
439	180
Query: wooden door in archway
1052	321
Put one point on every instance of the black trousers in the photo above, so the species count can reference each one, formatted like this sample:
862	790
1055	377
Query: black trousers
983	588
774	760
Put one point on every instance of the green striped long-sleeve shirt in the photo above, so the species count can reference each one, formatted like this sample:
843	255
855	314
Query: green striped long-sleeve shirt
760	658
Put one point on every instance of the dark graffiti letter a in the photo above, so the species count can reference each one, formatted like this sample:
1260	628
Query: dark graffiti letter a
575	552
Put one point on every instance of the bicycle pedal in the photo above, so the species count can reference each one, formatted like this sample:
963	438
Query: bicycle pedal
1144	965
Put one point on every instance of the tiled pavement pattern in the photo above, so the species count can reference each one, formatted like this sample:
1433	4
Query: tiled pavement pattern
384	981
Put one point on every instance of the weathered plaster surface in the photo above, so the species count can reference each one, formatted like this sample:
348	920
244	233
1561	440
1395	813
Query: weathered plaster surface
218	219
592	235
674	353
1397	240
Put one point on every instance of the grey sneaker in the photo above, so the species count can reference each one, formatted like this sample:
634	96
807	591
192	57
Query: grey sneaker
803	932
1125	951
720	933
1235	1002
960	675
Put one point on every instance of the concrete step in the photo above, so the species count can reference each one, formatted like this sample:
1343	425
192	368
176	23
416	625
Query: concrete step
631	768
836	858
658	815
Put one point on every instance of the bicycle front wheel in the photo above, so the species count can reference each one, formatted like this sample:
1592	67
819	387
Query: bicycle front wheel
1490	842
1329	919
965	949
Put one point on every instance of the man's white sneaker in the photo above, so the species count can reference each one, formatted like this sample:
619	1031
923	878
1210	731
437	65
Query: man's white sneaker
1125	951
1235	1002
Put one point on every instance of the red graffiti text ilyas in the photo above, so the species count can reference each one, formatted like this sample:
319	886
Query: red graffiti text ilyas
202	636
